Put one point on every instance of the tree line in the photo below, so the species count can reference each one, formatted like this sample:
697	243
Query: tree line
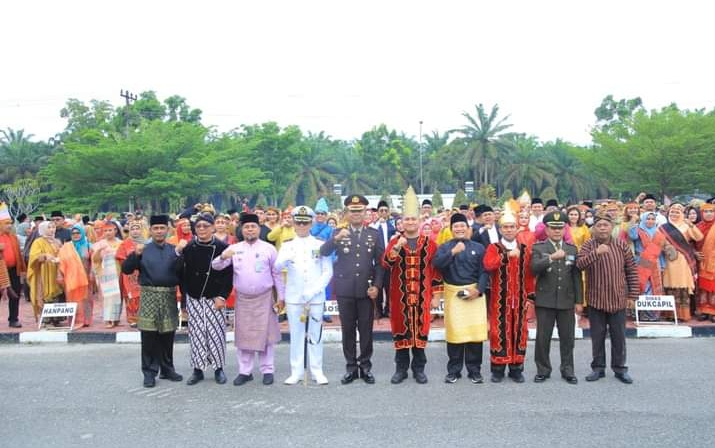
159	155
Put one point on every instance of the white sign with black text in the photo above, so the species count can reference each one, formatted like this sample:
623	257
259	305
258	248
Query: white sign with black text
55	310
656	303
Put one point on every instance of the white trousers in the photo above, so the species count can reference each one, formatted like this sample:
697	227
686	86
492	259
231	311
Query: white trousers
297	338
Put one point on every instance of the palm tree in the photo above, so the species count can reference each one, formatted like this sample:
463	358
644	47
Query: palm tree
573	181
527	167
316	173
19	156
482	140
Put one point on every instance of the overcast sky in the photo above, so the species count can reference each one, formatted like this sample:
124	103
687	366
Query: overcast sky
343	66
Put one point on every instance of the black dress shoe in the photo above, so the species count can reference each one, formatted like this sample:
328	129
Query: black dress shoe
595	375
171	376
349	377
15	324
195	377
497	378
570	379
399	377
242	379
540	378
219	376
517	377
267	379
368	377
624	378
420	377
149	381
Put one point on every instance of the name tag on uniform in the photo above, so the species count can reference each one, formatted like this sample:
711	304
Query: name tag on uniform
316	254
260	265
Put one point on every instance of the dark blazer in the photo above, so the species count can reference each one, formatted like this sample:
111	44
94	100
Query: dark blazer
357	261
483	238
390	230
558	283
196	273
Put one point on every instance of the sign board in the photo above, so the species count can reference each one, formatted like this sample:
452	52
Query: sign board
656	303
331	308
52	310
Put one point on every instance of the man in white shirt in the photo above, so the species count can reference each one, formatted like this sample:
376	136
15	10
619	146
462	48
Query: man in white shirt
308	273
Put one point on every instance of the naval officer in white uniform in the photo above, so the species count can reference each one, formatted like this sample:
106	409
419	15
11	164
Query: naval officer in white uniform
308	274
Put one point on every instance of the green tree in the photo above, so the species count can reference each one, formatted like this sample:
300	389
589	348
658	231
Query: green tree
460	198
665	151
527	166
481	141
21	157
437	201
387	153
316	171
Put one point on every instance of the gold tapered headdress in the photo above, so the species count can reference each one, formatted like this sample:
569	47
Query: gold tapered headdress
410	204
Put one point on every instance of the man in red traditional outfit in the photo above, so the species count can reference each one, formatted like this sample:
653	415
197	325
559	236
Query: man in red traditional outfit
511	282
413	283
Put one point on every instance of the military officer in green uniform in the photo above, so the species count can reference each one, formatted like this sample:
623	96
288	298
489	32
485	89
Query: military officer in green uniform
558	292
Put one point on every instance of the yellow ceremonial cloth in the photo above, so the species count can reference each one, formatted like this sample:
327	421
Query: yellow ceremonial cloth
464	320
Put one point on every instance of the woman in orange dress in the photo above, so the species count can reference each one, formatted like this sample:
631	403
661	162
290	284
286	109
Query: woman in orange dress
681	264
74	274
130	283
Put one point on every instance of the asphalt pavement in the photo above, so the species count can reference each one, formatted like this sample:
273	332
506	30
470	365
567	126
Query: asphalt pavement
91	396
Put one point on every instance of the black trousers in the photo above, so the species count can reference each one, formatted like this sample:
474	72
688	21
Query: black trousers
468	354
157	353
356	313
402	359
566	322
14	302
600	321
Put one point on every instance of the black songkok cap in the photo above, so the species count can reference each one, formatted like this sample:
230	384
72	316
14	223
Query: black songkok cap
382	203
650	196
552	203
56	214
159	220
457	217
426	202
537	201
248	217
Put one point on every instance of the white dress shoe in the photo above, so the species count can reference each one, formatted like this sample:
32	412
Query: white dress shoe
291	380
320	378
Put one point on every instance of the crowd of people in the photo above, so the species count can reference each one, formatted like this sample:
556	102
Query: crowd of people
494	269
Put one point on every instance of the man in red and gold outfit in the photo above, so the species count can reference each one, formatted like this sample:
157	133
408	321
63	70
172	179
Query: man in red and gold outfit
511	282
414	284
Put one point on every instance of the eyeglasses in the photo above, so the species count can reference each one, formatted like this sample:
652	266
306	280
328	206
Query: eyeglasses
302	223
320	213
383	210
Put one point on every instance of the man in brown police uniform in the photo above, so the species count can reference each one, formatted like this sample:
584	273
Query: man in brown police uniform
357	278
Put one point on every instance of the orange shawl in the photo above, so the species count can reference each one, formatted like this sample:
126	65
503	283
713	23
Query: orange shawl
75	277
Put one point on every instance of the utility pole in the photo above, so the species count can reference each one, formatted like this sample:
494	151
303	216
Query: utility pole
128	97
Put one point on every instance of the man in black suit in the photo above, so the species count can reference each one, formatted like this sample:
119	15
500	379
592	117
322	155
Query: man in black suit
487	232
386	229
558	291
357	278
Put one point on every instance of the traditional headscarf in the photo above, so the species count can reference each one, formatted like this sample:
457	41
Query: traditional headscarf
642	225
82	246
42	229
180	234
